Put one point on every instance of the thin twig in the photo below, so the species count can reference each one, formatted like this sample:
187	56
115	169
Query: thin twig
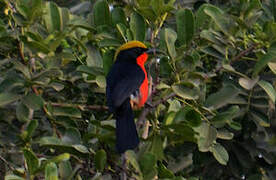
162	100
81	106
124	167
148	109
7	163
243	53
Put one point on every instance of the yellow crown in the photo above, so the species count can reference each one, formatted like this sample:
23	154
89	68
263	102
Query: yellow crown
129	45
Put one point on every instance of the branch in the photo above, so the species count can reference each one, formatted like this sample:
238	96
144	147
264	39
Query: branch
149	108
81	106
243	53
7	163
162	100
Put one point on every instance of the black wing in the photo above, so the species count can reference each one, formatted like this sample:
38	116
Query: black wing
123	79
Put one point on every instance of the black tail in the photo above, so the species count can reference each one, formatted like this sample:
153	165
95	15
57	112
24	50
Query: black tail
126	134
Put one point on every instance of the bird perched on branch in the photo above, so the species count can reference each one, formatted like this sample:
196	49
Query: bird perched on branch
127	89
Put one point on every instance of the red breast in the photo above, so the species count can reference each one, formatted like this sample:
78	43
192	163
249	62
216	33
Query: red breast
144	86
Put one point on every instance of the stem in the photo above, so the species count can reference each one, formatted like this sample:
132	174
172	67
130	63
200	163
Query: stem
249	100
243	53
195	108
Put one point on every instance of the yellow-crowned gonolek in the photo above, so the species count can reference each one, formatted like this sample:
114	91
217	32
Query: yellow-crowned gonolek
127	88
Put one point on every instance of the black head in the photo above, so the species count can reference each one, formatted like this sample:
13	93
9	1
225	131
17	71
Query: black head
130	54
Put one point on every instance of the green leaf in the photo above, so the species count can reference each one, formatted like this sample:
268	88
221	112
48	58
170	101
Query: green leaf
67	111
31	160
22	112
247	83
13	177
165	67
169	118
207	136
170	38
132	159
147	163
193	118
202	20
100	160
80	148
137	26
253	7
220	18
22	68
185	26
235	125
260	118
56	143
189	115
33	101
185	90
31	128
51	171
52	17
225	135
71	136
157	147
118	16
37	47
163	172
220	153
7	98
272	66
268	89
222	97
60	158
225	116
65	169
94	71
101	13
107	61
268	57
49	140
48	73
65	17
101	81
94	57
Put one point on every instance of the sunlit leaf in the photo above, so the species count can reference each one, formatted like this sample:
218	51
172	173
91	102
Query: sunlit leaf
269	89
13	177
51	172
186	91
170	38
220	153
207	136
248	83
31	160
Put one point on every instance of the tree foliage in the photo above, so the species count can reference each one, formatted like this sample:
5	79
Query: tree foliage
211	114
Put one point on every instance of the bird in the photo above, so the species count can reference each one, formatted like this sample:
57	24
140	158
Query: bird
127	90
